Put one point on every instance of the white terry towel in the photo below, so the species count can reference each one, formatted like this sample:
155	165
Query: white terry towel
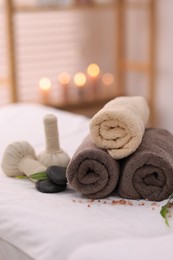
119	126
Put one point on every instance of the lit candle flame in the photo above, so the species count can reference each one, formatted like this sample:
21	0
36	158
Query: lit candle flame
108	79
45	84
64	78
93	70
79	79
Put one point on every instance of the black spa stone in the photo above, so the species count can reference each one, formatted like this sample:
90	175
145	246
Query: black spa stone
57	174
47	186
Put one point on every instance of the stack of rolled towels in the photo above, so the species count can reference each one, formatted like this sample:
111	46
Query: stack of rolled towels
121	154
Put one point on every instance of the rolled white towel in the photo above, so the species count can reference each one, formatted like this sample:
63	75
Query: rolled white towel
120	125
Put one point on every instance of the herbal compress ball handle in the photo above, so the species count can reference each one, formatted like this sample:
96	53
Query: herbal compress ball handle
53	155
51	134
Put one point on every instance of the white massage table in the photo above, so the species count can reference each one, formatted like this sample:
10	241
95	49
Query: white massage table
66	225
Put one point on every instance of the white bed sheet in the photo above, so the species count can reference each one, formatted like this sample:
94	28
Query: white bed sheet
9	251
65	226
157	248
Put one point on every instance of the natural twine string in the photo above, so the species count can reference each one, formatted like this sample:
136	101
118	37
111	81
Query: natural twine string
51	134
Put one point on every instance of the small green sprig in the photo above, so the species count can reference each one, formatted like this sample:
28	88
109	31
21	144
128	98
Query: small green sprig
164	210
21	177
35	176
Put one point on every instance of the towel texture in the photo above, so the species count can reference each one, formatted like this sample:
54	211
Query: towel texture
148	173
119	126
92	171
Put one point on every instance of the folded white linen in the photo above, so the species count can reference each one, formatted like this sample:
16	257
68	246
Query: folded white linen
157	248
119	126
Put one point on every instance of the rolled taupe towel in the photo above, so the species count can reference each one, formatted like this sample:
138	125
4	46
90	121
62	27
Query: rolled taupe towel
119	126
148	173
92	171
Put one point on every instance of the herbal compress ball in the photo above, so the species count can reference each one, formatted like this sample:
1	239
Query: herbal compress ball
19	159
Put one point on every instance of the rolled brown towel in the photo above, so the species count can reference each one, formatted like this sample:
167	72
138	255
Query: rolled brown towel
148	173
92	171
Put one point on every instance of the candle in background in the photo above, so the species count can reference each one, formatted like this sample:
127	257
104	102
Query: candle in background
64	80
93	71
80	81
45	86
108	80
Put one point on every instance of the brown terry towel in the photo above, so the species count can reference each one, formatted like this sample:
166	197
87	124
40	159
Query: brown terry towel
119	126
148	173
92	171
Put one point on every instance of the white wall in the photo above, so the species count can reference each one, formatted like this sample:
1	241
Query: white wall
164	83
105	46
164	57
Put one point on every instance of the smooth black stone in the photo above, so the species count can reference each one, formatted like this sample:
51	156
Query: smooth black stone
57	174
47	186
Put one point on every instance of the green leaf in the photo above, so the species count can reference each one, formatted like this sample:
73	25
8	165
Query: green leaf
164	209
35	176
39	176
163	212
21	177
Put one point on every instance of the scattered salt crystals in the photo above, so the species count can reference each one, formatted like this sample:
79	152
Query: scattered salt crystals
141	204
115	202
170	205
154	204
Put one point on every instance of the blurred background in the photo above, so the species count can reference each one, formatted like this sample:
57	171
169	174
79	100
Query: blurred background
77	54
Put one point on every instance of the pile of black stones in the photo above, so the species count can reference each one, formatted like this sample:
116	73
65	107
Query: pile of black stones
56	181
